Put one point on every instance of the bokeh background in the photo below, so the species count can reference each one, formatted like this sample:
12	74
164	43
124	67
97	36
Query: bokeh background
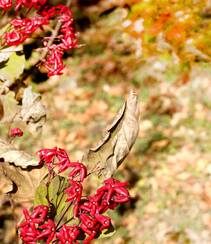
162	49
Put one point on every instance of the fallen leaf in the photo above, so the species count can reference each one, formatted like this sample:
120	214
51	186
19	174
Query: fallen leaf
8	153
119	137
33	111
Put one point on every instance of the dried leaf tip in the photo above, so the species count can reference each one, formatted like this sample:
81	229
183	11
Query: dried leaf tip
120	135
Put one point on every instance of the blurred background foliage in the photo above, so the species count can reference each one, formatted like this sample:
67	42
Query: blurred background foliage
162	49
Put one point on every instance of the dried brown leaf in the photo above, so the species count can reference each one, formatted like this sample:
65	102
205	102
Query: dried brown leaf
24	181
5	184
20	172
10	107
8	153
33	112
119	137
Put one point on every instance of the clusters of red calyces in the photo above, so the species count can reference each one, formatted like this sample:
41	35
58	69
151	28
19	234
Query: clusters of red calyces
23	28
90	210
37	226
15	132
5	4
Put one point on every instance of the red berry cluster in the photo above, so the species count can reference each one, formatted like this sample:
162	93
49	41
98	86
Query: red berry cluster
88	210
23	27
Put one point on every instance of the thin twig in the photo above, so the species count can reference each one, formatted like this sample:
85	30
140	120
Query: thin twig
65	223
63	215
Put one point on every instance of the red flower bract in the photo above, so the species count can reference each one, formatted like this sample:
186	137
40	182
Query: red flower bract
74	192
53	62
58	157
68	234
29	4
23	28
37	226
48	231
5	4
78	169
47	156
67	38
115	190
15	132
90	210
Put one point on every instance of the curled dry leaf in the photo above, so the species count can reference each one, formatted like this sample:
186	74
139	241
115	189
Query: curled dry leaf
8	153
19	172
6	184
22	182
32	111
10	107
119	137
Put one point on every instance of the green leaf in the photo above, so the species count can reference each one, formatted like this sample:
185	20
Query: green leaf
12	64
108	232
70	215
62	203
40	195
53	193
53	189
